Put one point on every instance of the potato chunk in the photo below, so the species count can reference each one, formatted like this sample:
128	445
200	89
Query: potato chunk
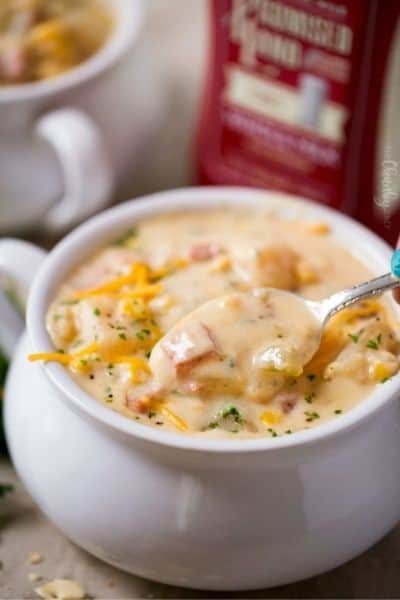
272	266
370	353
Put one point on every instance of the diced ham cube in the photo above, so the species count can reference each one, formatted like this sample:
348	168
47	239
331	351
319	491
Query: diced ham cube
204	251
13	61
287	401
195	387
140	399
188	346
139	404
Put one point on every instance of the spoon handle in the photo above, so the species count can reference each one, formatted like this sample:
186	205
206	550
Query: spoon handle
346	298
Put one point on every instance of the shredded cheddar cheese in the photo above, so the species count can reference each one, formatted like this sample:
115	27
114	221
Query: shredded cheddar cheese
140	275
173	417
63	358
135	307
134	289
144	292
138	367
114	284
362	310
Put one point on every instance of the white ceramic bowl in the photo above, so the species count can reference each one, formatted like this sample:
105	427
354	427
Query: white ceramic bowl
232	514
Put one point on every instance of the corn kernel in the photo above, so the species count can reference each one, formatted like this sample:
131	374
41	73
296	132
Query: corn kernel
220	264
271	417
380	372
319	228
305	274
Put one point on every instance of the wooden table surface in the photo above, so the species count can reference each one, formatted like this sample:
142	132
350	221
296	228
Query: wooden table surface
176	31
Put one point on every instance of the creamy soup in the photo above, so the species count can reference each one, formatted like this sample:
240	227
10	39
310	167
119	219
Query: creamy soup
183	324
246	343
40	39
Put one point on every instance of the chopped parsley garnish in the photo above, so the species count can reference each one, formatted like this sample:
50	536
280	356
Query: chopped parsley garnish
231	411
309	398
338	411
148	354
227	412
121	241
57	318
143	333
122	336
374	343
97	312
354	337
70	302
311	416
288	431
272	432
311	376
151	414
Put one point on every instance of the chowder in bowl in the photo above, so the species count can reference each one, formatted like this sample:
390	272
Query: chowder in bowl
227	506
123	324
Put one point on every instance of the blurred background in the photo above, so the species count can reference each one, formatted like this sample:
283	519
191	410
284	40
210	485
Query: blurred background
139	110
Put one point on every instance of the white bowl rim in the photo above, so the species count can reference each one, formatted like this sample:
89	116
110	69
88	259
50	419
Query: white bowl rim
92	234
123	36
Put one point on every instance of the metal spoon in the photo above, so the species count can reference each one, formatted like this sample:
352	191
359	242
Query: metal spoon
325	309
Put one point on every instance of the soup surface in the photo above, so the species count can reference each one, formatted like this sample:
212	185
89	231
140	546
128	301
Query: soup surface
40	39
175	325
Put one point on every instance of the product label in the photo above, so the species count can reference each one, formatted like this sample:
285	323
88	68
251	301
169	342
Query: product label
290	72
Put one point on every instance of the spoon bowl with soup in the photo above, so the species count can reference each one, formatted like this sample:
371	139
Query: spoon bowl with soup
251	343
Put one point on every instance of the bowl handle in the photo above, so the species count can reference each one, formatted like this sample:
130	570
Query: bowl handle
19	262
88	174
